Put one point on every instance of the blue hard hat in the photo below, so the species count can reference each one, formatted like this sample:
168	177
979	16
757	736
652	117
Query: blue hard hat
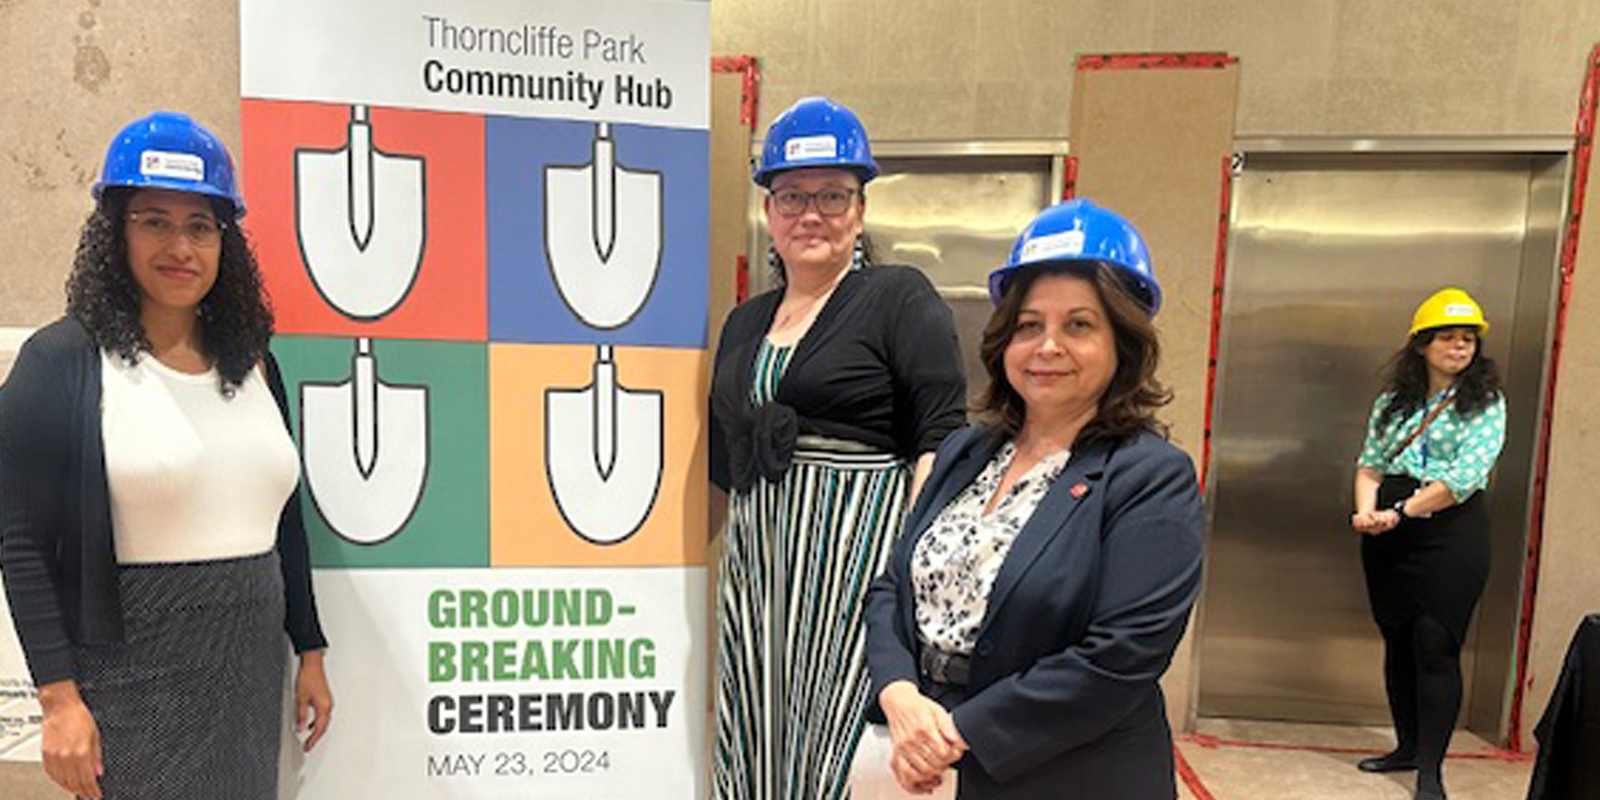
1079	231
816	132
170	151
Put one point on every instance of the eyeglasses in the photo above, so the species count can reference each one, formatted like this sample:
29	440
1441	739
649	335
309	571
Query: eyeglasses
200	231
830	202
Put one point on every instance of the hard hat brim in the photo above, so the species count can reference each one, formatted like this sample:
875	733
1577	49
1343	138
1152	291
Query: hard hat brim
173	185
1483	327
765	177
1145	294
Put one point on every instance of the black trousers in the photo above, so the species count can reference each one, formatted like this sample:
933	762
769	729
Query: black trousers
1424	579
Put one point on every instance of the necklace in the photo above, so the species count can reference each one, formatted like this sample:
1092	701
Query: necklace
798	312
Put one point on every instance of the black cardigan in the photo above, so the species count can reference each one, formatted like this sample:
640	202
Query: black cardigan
881	365
1568	767
56	546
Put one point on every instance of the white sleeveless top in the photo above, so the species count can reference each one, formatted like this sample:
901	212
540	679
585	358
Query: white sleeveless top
194	476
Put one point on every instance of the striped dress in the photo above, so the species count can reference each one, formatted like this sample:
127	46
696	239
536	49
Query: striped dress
791	678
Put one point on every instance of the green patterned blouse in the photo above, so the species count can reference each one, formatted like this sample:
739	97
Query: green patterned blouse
1455	449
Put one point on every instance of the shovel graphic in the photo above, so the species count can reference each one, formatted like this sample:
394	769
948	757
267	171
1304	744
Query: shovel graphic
604	442
366	450
602	235
603	449
361	218
361	215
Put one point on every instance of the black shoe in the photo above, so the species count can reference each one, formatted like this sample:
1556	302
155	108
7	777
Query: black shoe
1391	762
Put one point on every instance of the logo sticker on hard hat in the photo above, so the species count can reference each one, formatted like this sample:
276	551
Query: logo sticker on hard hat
1067	244
811	148
162	164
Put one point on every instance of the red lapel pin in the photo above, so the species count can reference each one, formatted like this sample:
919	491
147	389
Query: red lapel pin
1079	490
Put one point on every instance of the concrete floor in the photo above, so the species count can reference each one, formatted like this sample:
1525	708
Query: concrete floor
1247	760
1230	760
27	781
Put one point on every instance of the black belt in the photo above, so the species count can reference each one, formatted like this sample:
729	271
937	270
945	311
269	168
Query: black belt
941	667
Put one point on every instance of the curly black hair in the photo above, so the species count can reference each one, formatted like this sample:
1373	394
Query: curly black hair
1406	378
235	316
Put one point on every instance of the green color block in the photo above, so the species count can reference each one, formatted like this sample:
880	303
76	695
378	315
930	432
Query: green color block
448	523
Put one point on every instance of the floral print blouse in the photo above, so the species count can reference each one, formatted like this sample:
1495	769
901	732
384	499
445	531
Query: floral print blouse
1456	450
954	564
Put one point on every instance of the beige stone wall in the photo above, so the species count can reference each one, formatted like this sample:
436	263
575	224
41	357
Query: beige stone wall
76	70
74	73
943	69
1570	557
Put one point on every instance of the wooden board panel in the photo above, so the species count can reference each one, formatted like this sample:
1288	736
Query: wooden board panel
1150	144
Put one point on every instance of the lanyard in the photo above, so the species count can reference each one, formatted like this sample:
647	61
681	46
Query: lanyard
1443	401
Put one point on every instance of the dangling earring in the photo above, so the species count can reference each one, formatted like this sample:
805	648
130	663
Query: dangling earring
858	255
775	264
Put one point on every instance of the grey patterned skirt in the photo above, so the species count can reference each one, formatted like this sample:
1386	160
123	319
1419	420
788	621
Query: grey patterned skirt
191	704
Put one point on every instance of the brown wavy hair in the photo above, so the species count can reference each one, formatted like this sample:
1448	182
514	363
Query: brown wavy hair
1134	395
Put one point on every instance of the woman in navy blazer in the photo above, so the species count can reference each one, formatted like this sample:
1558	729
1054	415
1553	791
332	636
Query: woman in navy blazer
1047	570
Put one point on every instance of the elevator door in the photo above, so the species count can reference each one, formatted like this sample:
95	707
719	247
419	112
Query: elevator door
1329	256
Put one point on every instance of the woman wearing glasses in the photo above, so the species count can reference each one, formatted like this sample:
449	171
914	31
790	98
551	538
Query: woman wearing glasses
830	395
1433	437
150	528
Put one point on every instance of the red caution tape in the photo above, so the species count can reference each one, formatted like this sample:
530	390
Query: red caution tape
1189	777
1215	742
1069	185
1582	151
1219	274
751	90
1155	61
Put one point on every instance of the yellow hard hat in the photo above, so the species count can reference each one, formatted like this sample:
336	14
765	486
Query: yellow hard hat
1449	308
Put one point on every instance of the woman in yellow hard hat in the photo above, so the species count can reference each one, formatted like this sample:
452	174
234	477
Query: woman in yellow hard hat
1434	435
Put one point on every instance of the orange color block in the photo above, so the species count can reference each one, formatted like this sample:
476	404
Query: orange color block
529	524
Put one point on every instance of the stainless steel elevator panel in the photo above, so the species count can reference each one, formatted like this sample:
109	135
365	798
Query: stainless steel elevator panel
1329	256
955	218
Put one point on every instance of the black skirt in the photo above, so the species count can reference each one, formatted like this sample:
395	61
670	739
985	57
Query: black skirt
190	706
1434	566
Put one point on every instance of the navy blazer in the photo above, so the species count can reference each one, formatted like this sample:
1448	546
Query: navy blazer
1091	600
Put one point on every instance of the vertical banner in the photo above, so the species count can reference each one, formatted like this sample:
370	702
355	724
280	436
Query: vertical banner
484	230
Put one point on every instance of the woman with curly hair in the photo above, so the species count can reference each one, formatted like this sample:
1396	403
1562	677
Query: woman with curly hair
150	530
1434	435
